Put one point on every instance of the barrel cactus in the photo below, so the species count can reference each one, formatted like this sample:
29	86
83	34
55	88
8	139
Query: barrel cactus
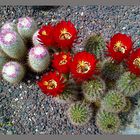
107	122
129	84
93	90
114	101
110	70
79	113
35	38
95	44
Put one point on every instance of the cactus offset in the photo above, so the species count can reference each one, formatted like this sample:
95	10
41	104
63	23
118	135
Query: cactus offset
95	44
39	58
94	89
129	84
114	101
13	72
26	27
12	44
107	122
79	113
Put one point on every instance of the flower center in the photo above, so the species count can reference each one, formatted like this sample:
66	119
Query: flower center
44	33
51	84
137	62
64	60
119	47
83	67
65	35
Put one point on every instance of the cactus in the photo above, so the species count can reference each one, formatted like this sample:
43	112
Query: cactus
9	26
93	90
12	44
129	84
67	96
26	27
3	59
128	106
110	70
114	101
35	39
107	122
39	58
79	113
13	72
95	44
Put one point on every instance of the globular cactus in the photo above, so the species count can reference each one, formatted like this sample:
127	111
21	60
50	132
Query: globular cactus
107	122
3	59
39	58
67	96
110	70
114	101
35	39
95	44
12	44
94	89
128	84
128	106
79	113
26	27
9	26
13	72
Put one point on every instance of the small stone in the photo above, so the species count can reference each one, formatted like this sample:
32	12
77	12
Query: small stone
138	43
124	28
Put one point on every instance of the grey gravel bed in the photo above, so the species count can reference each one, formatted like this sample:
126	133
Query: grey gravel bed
23	108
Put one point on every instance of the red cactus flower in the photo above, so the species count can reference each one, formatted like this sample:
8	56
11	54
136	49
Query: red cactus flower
61	62
119	47
133	62
83	66
52	84
65	34
45	35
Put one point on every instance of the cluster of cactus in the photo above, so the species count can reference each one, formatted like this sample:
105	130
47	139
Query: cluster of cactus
17	41
108	103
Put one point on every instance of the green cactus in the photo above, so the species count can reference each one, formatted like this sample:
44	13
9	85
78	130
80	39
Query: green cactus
67	96
107	122
39	58
95	44
114	101
110	70
12	44
79	113
93	90
13	72
128	84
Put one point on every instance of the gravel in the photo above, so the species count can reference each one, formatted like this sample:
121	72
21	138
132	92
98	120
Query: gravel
24	109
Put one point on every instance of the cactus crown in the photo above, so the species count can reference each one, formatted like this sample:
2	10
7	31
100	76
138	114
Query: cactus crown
95	44
107	122
114	101
79	113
